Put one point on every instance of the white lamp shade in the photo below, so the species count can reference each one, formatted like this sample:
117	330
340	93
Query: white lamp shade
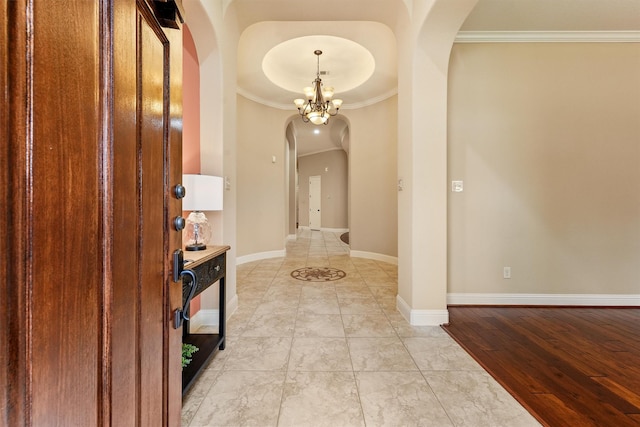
308	92
203	193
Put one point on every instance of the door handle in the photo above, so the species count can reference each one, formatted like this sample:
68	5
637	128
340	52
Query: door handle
179	272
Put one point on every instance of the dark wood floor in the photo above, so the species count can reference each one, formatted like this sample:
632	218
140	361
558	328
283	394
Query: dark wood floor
567	366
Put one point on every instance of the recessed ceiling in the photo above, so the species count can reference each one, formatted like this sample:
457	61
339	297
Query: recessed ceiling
344	64
276	61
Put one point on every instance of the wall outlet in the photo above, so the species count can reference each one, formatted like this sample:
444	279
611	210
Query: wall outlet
506	273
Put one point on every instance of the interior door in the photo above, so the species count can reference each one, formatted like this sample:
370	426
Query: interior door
315	201
91	120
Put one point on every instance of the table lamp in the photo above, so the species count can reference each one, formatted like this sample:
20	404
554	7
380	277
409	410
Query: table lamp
203	193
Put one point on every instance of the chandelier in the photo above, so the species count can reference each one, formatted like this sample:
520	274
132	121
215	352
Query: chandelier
319	105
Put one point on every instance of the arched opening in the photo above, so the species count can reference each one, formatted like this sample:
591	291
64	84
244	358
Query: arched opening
321	152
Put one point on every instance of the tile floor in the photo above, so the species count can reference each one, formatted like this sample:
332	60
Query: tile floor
338	354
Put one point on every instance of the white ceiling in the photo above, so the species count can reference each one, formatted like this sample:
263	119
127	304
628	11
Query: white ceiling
281	36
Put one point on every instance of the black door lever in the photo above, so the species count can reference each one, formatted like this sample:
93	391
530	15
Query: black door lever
180	315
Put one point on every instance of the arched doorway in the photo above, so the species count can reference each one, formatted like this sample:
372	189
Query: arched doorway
321	152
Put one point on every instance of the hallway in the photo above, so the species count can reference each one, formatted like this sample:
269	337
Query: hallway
327	347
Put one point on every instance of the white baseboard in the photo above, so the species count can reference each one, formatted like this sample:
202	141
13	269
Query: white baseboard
329	230
204	317
421	317
374	256
211	317
232	305
403	308
334	230
260	256
545	299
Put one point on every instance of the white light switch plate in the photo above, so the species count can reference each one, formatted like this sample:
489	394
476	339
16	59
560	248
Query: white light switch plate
456	186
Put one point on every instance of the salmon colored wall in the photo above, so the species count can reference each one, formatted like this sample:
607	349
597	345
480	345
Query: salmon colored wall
191	105
190	116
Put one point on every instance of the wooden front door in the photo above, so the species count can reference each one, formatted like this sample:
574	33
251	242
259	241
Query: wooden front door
90	154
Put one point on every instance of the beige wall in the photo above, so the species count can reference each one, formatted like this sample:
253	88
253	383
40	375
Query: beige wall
373	172
291	177
546	138
261	204
333	187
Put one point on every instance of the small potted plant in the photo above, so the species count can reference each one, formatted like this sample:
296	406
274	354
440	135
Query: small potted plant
187	352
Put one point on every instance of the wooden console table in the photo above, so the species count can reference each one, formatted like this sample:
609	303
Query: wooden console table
209	266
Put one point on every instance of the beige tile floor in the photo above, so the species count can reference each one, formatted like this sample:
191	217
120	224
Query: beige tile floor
338	354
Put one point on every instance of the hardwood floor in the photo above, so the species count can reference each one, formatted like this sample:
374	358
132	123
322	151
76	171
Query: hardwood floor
567	366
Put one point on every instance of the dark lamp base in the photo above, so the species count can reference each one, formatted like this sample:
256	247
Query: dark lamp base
196	247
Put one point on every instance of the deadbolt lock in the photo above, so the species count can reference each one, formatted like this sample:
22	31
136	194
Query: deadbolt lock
179	223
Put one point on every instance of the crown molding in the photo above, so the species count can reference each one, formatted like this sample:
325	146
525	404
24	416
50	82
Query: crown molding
263	101
290	106
548	37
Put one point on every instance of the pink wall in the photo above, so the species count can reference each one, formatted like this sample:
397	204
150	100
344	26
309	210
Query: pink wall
190	116
191	105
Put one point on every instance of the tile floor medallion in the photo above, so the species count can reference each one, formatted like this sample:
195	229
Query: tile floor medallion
326	346
318	274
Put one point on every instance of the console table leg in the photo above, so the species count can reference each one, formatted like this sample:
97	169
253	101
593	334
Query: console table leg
222	317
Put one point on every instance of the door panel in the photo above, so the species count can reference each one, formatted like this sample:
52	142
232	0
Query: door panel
65	218
125	407
91	116
152	105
